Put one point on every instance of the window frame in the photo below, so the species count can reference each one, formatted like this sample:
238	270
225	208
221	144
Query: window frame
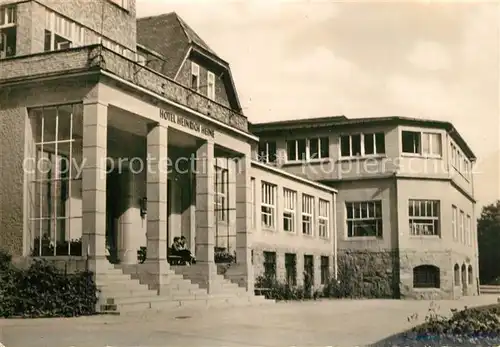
253	201
267	157
462	226
221	195
454	222
421	135
320	140
211	85
195	71
362	154
432	279
323	218
290	209
307	214
413	219
324	269
468	230
291	266
268	255
357	222
4	12
270	205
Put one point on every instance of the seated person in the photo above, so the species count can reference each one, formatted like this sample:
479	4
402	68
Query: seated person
178	249
187	251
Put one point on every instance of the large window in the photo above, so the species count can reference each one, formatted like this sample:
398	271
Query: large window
62	33
309	269
289	210
325	269
356	145
424	217
323	218
267	152
221	191
462	226
454	222
268	205
270	265
253	201
426	276
291	269
55	196
307	214
468	231
210	85
195	76
364	219
308	149
421	143
296	150
8	31
319	148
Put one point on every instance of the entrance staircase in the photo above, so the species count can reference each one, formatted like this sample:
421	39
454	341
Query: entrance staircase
123	290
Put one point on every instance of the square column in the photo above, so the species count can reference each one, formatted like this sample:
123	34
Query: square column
157	172
95	121
242	273
205	268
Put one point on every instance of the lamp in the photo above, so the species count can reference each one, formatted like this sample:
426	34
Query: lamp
144	206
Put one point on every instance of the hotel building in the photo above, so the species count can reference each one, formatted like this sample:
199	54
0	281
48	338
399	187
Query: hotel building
120	132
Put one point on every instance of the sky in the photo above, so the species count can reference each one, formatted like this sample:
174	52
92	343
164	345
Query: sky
318	58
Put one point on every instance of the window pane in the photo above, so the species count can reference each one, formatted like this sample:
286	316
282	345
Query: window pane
369	144
356	144
436	144
349	210
380	143
325	147
426	143
301	144
345	146
291	150
411	142
313	148
272	151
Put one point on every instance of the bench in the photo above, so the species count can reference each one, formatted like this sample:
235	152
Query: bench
174	259
262	291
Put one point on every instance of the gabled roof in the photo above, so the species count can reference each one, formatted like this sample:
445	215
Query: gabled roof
174	39
342	122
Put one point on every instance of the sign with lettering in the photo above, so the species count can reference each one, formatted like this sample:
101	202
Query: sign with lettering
187	123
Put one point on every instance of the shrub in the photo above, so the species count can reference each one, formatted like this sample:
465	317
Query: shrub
480	322
221	255
44	291
142	254
283	291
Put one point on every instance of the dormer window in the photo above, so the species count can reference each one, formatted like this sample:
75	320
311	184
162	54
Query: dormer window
62	33
211	85
195	76
7	16
8	31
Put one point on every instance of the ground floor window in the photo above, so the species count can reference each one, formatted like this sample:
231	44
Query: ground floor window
456	275
426	276
54	173
325	269
364	218
291	269
469	275
270	265
308	269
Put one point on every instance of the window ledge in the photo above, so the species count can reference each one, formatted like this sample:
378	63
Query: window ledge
421	156
363	238
425	237
293	233
361	158
308	235
433	289
269	230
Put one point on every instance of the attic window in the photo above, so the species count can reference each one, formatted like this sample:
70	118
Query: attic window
195	76
211	85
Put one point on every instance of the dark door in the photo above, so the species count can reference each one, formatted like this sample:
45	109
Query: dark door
112	208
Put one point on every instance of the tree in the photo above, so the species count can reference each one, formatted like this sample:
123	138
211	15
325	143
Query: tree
488	238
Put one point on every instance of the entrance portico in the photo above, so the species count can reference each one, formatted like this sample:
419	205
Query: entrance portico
189	162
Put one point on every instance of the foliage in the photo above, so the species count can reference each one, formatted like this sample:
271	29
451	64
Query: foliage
142	254
488	234
62	247
361	275
43	291
221	255
475	323
279	291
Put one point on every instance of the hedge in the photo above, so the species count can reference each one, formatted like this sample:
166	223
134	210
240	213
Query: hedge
44	291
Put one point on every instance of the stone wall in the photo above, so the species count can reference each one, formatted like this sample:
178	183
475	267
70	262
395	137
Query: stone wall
371	274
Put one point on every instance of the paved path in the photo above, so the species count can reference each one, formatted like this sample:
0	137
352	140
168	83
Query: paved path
316	323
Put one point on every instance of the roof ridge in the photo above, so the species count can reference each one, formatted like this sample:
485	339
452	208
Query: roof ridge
183	26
